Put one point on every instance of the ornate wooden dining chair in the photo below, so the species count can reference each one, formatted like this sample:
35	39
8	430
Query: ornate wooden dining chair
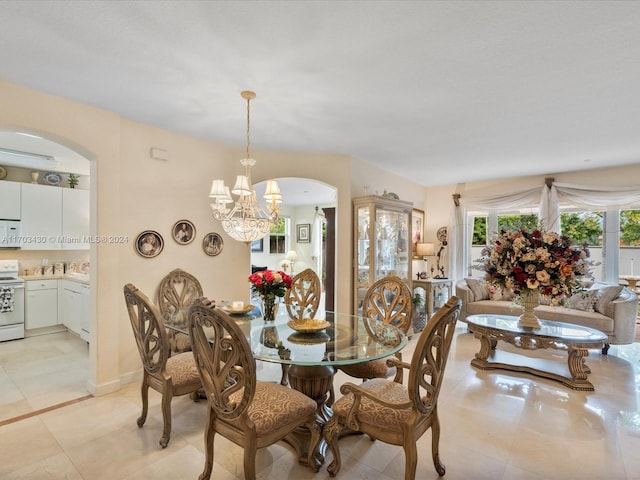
171	376
249	413
394	413
302	300
178	289
388	300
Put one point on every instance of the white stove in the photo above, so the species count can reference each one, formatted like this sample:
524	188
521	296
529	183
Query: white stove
11	301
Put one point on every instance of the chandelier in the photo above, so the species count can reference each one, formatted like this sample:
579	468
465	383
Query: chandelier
247	220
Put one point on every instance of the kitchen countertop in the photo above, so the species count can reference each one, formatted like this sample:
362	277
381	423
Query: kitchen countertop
79	278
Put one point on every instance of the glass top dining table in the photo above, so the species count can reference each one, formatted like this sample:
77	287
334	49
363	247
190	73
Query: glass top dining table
309	359
346	339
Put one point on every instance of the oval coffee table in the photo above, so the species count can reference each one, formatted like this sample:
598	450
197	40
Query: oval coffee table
575	339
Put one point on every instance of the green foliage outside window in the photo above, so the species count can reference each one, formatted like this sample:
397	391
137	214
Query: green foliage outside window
630	228
277	237
581	227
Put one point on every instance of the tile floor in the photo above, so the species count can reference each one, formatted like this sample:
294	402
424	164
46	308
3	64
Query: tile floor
494	426
41	371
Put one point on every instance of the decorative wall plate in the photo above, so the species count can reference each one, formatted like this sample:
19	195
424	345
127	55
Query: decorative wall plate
52	178
149	244
184	232
212	244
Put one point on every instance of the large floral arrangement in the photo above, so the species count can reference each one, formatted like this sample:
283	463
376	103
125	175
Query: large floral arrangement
269	283
546	262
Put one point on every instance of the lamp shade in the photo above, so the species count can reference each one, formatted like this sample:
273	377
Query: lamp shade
292	255
242	186
425	249
217	189
272	191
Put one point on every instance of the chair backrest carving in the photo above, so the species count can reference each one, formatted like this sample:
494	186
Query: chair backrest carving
178	289
303	298
224	360
430	357
389	300
148	330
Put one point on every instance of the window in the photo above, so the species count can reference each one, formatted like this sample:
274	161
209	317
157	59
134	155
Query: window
278	236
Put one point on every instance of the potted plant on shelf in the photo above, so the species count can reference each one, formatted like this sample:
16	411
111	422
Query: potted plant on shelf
73	180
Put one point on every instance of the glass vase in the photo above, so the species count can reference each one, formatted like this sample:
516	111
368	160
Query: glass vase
269	305
531	299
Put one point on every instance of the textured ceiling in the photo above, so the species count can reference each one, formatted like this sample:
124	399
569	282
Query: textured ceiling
439	92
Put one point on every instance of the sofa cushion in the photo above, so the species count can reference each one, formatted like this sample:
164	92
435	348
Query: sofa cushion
479	287
604	297
583	300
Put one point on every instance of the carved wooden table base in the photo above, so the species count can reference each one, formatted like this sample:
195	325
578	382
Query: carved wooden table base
488	358
314	382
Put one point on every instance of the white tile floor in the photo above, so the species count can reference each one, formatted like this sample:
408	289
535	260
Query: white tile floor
494	426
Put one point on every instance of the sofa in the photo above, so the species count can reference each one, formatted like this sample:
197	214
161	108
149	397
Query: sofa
612	309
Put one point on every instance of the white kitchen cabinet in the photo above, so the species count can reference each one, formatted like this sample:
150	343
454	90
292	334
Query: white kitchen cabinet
41	217
9	200
41	304
75	307
75	219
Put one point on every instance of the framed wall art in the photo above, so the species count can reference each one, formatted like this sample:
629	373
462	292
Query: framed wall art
417	229
257	245
212	244
303	233
183	232
149	244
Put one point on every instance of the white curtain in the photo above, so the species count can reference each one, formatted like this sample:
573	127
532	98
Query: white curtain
481	200
549	199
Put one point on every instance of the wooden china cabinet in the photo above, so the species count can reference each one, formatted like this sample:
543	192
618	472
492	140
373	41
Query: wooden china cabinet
382	242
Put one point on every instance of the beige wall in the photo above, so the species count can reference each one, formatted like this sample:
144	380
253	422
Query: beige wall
132	192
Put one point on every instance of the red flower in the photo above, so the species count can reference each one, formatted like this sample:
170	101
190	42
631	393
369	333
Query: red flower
270	283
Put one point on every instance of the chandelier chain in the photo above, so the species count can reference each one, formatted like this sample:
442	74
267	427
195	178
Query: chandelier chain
248	126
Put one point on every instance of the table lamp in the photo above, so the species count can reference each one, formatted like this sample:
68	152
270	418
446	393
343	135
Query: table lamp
425	250
292	256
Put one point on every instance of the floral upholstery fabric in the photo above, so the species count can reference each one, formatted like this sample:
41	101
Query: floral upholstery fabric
373	413
371	369
182	369
275	406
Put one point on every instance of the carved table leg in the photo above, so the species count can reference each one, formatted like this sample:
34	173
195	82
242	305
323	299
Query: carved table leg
315	383
486	346
577	368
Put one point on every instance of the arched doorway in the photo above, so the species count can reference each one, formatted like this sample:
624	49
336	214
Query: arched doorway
304	203
51	365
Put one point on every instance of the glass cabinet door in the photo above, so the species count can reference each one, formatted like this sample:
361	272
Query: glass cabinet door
382	233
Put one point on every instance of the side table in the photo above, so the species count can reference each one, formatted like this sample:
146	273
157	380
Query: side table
438	291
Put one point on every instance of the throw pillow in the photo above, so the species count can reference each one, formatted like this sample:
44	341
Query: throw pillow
479	287
583	300
605	296
495	293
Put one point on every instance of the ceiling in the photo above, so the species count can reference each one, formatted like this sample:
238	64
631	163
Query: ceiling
439	92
